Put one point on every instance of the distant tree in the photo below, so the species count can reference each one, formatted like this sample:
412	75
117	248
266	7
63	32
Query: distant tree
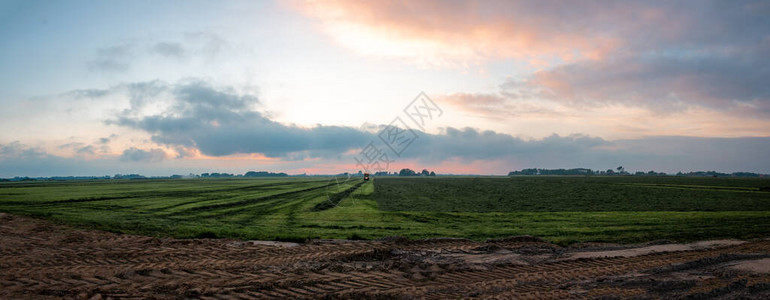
424	172
745	174
620	169
531	171
264	174
128	176
407	172
432	173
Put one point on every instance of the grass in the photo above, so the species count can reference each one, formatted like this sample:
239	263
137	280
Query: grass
560	209
567	194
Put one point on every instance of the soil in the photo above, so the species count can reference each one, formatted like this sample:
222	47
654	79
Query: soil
40	260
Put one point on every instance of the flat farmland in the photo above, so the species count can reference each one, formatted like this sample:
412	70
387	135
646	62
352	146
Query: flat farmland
591	237
576	193
559	209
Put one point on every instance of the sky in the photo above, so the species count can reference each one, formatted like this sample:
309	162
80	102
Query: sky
322	87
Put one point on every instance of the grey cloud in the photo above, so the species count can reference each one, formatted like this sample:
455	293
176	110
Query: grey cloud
71	145
106	140
208	43
661	55
202	46
112	59
675	153
139	92
169	49
469	144
111	65
87	150
667	153
712	54
662	82
88	93
79	148
17	159
17	150
664	153
221	122
141	155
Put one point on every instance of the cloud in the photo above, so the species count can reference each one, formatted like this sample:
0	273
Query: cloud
674	153
79	148
466	147
17	150
712	54
198	118
87	93
221	122
141	155
106	140
169	49
188	48
575	30
87	150
661	153
18	159
723	81
463	32
497	105
112	59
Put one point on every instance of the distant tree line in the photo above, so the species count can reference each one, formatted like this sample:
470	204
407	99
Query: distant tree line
128	176
247	174
410	172
264	174
403	172
533	171
138	176
718	174
406	172
579	171
621	171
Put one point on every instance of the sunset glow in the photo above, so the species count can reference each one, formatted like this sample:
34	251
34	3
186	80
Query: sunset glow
160	88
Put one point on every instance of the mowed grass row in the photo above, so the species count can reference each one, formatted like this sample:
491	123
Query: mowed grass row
239	208
288	208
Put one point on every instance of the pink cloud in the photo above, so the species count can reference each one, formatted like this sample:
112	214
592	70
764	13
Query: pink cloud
664	56
462	32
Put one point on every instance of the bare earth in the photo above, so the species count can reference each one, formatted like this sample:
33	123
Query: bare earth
41	260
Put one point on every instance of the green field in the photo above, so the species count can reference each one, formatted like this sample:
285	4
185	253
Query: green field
561	209
564	193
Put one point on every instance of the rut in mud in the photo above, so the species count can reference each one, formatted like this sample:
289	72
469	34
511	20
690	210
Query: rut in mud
42	260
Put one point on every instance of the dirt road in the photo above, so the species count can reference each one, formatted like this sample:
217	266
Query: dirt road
41	260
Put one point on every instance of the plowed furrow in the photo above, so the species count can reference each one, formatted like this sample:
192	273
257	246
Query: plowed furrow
44	261
561	271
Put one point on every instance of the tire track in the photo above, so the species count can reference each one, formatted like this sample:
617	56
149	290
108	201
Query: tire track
39	260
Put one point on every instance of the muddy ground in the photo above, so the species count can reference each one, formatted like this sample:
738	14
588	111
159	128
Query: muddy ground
39	259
